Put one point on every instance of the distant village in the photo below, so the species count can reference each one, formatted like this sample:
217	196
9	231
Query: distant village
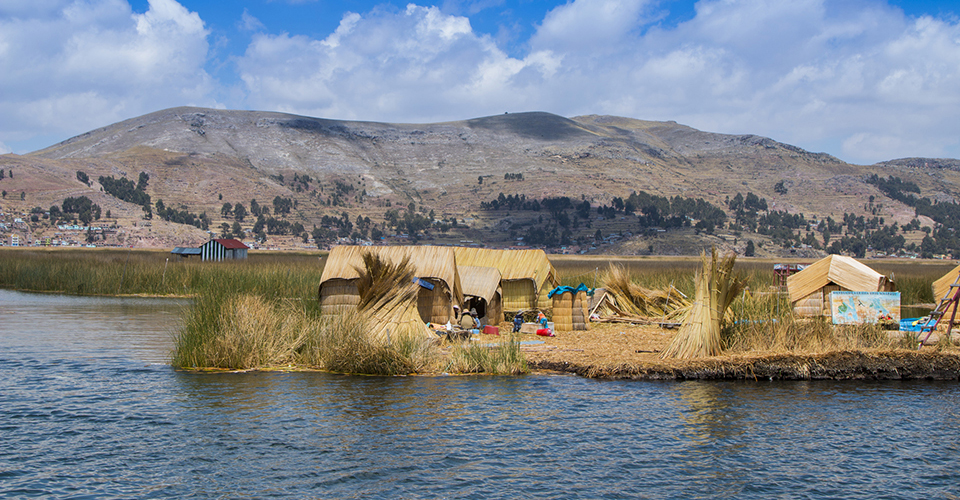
16	231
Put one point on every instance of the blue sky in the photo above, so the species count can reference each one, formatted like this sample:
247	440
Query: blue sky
864	80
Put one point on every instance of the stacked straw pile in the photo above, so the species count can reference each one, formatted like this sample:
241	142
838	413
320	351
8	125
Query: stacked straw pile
717	287
570	311
580	313
388	296
635	301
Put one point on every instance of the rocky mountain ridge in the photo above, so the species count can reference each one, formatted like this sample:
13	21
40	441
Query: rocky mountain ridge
198	159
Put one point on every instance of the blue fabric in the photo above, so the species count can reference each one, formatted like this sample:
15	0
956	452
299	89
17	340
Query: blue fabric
565	289
911	324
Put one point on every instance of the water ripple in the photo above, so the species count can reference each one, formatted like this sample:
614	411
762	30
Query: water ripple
84	418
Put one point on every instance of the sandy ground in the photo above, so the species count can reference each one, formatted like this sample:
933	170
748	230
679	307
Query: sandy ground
623	351
627	344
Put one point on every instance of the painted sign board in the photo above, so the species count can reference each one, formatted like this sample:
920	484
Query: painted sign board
853	308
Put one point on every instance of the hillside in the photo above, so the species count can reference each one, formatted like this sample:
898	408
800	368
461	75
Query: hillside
199	159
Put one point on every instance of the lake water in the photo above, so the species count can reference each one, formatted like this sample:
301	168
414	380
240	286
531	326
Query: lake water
89	409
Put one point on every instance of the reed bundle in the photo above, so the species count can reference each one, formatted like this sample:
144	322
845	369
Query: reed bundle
570	311
388	295
639	302
716	288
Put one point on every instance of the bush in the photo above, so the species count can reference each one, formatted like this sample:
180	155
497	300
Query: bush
504	359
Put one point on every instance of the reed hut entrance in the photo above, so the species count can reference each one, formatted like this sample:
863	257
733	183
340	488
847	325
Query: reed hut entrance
338	296
526	275
434	301
482	292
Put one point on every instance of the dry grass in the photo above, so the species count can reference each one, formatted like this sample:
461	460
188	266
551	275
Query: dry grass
254	334
503	359
636	300
345	345
242	332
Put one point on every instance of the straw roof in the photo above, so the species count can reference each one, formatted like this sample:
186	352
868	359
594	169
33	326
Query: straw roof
844	271
429	262
513	264
942	286
483	282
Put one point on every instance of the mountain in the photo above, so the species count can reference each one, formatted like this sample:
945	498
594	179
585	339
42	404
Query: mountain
198	159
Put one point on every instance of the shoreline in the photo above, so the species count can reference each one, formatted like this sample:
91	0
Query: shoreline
900	364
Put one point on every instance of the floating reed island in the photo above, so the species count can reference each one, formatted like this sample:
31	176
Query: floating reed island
400	310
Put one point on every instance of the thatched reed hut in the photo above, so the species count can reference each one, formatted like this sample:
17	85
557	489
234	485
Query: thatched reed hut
481	291
810	288
571	309
526	275
436	268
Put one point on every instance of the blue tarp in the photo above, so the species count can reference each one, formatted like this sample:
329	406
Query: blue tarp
565	289
423	283
911	324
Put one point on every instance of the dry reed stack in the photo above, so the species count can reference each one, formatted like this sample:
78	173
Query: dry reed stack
810	288
338	296
388	295
717	287
633	301
570	311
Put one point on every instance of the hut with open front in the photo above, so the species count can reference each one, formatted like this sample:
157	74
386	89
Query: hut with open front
437	276
526	276
810	288
481	291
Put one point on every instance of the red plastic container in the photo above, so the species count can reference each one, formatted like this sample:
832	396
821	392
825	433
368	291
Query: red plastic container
491	330
545	332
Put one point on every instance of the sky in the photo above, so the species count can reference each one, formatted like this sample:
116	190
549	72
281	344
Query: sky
863	80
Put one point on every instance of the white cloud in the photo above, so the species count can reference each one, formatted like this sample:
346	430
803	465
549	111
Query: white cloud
414	65
810	72
86	64
4	149
857	79
250	23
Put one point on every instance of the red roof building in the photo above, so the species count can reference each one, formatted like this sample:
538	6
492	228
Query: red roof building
223	249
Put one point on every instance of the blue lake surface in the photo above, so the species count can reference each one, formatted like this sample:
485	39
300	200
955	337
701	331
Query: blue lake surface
89	408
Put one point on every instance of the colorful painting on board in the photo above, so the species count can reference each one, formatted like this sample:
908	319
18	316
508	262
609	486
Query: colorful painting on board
853	308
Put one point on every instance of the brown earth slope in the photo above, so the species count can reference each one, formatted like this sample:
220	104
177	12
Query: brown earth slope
197	159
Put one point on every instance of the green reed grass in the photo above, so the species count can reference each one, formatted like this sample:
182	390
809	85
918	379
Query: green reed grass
503	359
764	322
345	344
139	272
228	331
241	332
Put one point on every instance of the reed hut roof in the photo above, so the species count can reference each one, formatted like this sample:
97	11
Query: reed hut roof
438	263
838	269
483	282
513	264
942	286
